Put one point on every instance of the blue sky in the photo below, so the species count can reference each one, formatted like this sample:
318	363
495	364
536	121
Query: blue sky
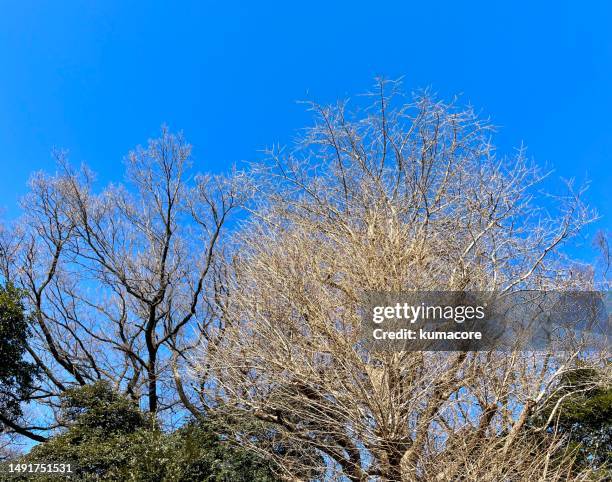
100	77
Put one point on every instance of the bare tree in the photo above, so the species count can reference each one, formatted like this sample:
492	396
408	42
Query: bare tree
395	197
119	281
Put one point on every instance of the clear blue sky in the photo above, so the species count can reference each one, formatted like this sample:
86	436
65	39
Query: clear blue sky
99	77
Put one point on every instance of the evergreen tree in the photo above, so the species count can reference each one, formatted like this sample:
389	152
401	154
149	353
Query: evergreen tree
585	417
16	374
109	438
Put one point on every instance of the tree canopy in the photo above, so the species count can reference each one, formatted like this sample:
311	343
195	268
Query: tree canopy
584	416
17	375
189	326
110	438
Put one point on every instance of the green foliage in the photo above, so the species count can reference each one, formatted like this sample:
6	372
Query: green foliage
103	426
110	439
16	374
202	454
98	408
585	417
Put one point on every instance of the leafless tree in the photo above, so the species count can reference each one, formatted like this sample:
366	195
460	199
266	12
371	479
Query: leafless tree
398	196
118	282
